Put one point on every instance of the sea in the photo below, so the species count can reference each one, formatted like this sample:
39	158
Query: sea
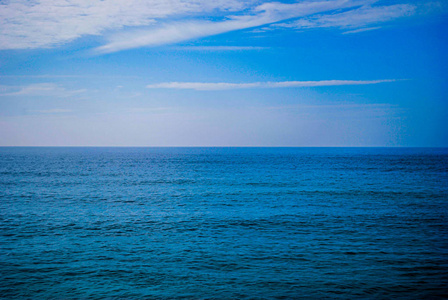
223	223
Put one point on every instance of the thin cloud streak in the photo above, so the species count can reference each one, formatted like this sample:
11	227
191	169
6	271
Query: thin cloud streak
69	76
205	86
356	18
221	48
263	14
361	30
44	89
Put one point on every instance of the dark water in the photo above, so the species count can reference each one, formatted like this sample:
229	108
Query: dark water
222	223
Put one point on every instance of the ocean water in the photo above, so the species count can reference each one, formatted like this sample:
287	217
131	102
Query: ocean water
223	223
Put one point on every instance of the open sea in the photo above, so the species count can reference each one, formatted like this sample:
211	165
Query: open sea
223	223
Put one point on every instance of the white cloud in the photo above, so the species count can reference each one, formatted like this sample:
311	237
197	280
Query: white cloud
206	86
221	48
45	23
43	89
266	13
361	30
26	24
355	18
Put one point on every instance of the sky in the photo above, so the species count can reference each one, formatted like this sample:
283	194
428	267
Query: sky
224	73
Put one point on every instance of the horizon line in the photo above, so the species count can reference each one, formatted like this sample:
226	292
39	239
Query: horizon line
224	146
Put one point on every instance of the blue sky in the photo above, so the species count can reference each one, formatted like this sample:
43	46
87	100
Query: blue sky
223	73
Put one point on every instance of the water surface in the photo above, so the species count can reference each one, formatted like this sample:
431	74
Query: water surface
256	223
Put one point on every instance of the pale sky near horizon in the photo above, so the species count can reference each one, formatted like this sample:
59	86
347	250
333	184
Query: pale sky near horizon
223	73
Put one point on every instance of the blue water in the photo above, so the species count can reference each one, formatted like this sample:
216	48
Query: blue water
223	223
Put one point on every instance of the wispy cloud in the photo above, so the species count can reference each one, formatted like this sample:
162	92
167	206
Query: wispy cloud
333	106
263	14
43	89
206	86
69	76
132	24
361	17
221	48
44	23
361	30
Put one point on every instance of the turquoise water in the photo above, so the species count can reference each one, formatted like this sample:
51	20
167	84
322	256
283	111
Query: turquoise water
223	223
